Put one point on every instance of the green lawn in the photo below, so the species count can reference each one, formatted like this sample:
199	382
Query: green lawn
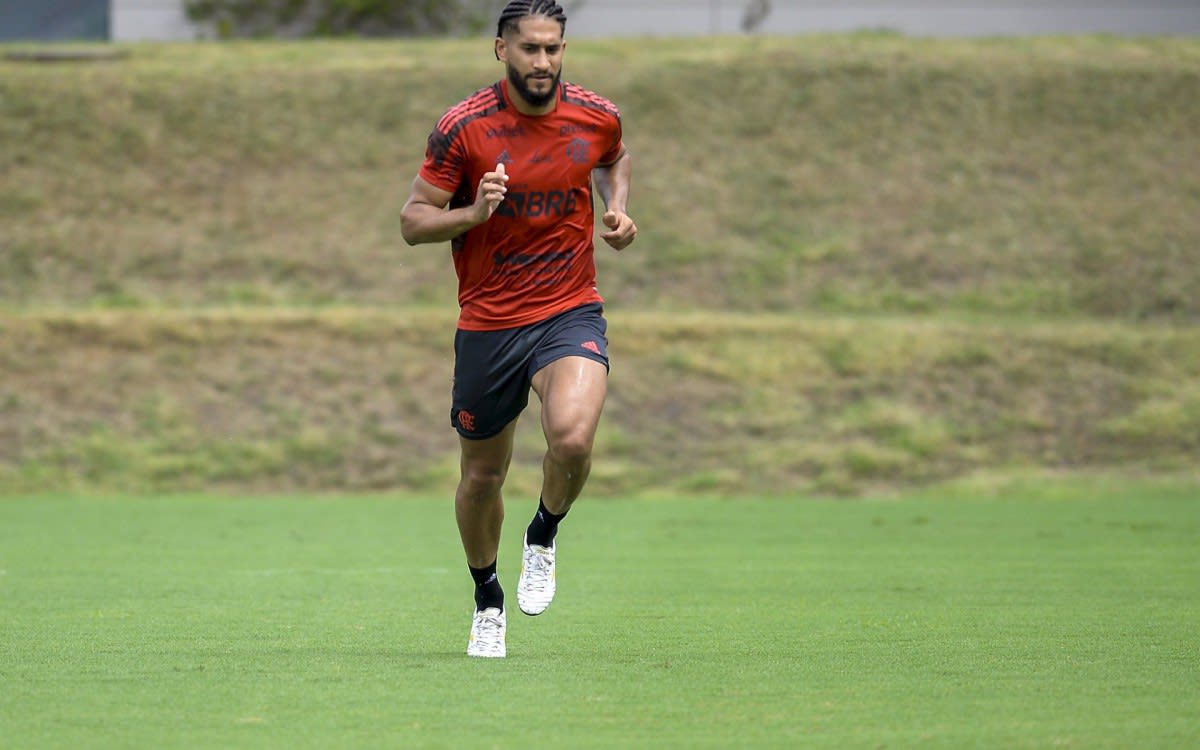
1060	615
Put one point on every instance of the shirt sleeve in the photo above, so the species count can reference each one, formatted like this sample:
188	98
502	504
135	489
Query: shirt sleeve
445	162
614	149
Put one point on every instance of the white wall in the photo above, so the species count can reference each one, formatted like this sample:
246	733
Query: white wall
913	17
135	20
146	20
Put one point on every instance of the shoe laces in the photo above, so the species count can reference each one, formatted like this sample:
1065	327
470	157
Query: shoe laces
540	563
485	619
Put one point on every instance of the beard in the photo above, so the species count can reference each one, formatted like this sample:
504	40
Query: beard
533	98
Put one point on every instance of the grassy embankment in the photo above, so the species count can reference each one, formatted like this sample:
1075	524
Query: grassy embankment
865	262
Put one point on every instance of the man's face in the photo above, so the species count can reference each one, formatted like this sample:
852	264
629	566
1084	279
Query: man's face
533	57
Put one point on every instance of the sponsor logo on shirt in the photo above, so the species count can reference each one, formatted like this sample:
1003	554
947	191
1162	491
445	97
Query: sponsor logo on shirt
506	131
537	203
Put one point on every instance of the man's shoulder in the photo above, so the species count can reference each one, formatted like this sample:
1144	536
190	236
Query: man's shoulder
484	102
579	96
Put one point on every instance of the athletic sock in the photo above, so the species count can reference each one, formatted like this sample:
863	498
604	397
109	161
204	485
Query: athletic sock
543	527
488	592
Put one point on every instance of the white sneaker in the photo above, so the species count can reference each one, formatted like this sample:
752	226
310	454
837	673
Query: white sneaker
535	588
487	634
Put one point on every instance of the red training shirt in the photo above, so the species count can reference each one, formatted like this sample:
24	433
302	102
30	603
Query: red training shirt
534	257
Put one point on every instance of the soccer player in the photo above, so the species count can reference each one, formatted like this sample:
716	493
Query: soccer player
508	180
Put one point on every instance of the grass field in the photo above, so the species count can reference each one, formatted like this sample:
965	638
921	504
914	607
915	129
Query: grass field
1029	615
879	265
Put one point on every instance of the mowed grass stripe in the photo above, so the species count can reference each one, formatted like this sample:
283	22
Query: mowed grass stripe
1058	616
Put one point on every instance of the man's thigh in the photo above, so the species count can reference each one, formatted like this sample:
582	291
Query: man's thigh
572	391
487	460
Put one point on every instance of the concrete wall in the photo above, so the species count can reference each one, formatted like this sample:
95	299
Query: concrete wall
146	20
135	20
915	17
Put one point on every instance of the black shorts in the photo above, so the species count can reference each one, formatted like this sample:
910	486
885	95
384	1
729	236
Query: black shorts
493	369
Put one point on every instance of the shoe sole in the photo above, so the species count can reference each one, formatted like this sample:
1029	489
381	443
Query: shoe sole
534	614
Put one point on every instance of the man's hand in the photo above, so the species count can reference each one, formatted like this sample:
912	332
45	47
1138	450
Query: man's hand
621	229
491	191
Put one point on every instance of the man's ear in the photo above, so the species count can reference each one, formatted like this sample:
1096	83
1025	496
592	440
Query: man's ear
499	46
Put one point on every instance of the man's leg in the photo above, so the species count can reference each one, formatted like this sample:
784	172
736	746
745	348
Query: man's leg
478	503
572	390
479	510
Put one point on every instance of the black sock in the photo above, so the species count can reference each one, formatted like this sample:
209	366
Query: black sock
488	592
543	527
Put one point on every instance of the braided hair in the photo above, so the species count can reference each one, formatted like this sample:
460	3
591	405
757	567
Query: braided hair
512	14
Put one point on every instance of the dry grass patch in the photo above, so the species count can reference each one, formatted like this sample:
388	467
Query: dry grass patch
346	399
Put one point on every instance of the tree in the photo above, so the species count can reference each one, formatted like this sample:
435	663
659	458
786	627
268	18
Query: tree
755	13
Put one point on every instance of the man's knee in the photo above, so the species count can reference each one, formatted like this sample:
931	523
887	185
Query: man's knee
572	447
481	483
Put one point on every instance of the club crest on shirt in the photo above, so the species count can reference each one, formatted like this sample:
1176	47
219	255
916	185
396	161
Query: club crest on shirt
577	150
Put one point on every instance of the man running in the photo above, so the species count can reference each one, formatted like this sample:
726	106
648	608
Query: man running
508	180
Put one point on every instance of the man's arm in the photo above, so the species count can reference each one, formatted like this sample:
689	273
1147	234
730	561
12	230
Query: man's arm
612	183
424	217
